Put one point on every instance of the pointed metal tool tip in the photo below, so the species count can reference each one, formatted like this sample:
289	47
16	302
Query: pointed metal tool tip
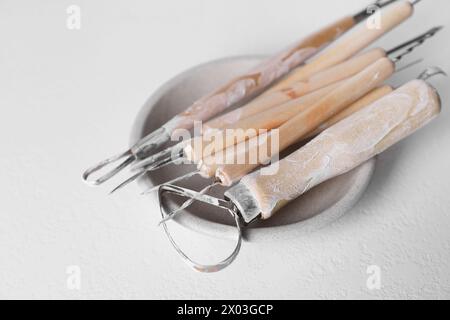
164	221
128	181
436	29
179	179
409	46
150	190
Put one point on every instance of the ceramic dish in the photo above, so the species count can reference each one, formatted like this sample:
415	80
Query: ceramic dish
314	210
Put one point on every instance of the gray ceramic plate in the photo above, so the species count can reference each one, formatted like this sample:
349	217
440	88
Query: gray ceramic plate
319	207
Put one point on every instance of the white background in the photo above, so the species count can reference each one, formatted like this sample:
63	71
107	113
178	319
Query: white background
69	98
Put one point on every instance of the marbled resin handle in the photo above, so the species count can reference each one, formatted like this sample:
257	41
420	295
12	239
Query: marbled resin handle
346	145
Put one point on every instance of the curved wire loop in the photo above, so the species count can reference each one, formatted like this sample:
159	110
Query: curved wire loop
174	213
127	155
431	72
219	203
142	149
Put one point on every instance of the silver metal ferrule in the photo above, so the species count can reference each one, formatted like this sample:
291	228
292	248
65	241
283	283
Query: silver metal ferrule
244	201
150	143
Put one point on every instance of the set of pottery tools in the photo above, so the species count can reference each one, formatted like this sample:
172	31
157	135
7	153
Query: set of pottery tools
326	94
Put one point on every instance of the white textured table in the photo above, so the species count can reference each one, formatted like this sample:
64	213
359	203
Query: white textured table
69	98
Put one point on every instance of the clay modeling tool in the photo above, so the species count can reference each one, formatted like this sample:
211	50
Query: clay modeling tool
345	46
339	149
288	104
301	88
305	79
275	118
243	87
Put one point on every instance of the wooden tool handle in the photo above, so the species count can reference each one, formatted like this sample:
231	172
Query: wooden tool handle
298	127
217	140
257	79
275	98
350	43
368	99
346	145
